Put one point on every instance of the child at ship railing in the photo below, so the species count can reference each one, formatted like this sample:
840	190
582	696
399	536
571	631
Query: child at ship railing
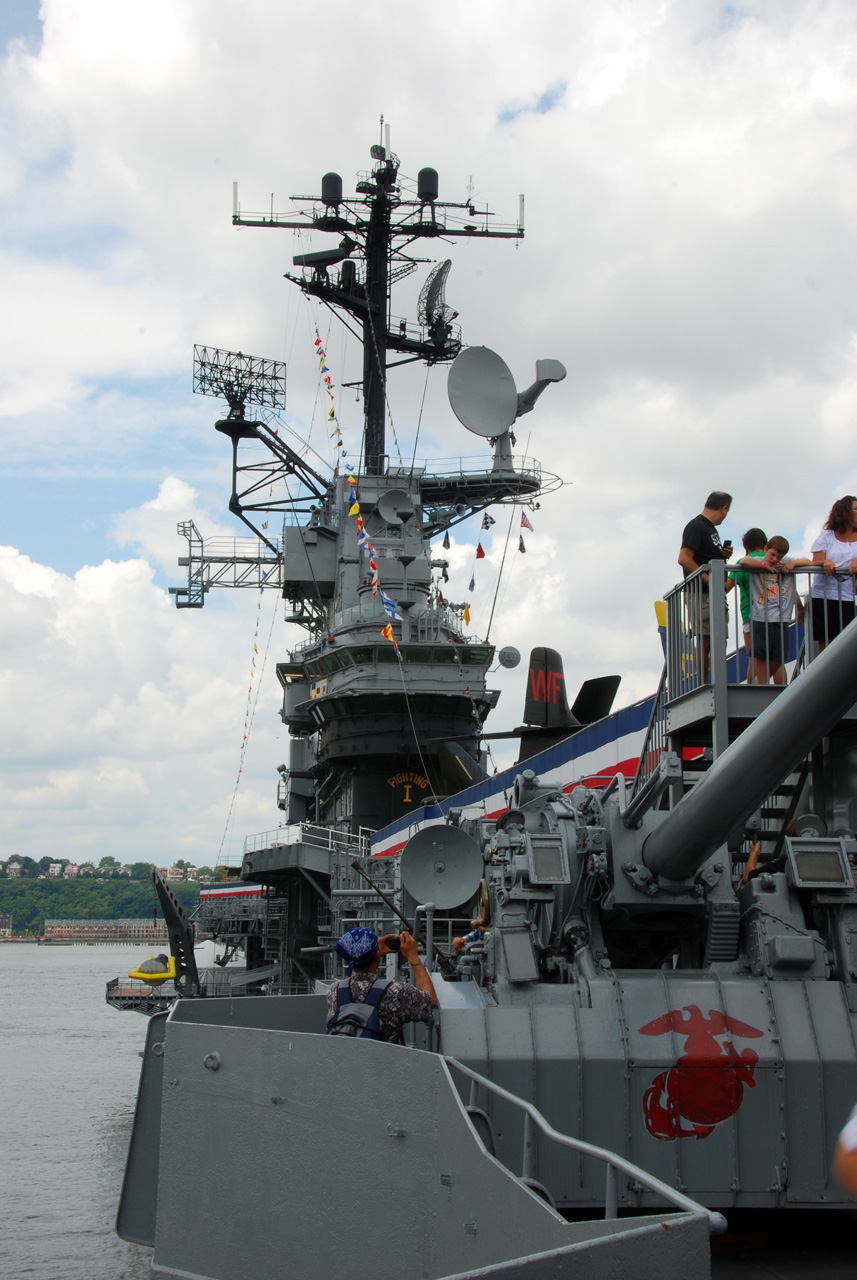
772	599
754	541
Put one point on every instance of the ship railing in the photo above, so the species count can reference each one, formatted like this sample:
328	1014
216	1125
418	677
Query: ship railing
655	743
118	988
692	612
145	997
225	562
474	466
463	467
434	623
230	548
224	909
727	659
615	1164
306	833
138	997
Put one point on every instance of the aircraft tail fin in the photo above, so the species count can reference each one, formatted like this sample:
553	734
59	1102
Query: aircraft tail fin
546	706
595	700
547	718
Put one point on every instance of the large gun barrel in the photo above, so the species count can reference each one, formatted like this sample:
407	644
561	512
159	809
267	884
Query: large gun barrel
748	772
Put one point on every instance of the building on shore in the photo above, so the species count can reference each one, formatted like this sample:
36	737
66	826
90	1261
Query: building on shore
105	931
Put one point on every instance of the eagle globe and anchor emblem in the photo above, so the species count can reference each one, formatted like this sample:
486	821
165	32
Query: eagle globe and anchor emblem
706	1084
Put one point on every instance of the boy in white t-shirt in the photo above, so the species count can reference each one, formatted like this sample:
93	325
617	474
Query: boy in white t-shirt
772	599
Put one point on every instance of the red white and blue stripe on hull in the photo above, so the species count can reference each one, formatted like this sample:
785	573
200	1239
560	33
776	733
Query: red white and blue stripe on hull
233	889
592	756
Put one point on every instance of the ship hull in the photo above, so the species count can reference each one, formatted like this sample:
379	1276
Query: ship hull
305	1124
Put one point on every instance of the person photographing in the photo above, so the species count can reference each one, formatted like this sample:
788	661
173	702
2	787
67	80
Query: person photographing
371	1008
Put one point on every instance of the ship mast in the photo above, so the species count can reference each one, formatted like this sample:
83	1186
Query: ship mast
376	227
378	245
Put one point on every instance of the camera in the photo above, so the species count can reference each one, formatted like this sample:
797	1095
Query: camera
393	943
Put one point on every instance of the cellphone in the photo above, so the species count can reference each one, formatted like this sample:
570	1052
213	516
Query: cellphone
393	943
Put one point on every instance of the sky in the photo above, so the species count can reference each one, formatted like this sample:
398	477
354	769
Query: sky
690	181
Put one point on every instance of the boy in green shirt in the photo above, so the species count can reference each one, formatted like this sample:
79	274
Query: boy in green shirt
754	541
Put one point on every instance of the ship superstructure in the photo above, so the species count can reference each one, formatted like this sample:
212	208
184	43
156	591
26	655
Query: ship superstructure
386	698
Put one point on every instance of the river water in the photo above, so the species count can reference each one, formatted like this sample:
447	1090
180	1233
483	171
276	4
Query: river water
69	1066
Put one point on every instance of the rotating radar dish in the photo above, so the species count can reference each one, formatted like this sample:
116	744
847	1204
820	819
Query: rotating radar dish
442	865
482	392
432	305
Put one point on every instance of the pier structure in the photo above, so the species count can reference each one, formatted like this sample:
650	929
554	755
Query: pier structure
68	932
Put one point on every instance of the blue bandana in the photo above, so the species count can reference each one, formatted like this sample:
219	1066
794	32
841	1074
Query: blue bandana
359	944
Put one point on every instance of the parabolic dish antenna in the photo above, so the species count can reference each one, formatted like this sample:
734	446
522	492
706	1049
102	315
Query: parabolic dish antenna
441	865
482	392
395	505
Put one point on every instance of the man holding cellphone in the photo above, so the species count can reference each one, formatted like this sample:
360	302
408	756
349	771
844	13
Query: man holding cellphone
700	544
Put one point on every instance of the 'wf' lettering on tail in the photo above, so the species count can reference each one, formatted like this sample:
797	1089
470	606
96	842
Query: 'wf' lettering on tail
546	686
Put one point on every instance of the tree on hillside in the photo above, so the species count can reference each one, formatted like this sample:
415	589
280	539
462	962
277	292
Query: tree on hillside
142	870
31	901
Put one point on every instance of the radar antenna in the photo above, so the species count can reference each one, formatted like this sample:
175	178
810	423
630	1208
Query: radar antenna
432	312
376	228
239	379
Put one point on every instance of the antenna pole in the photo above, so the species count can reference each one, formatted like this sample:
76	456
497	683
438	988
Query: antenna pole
391	218
378	240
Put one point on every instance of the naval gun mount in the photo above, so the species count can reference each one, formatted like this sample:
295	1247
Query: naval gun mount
628	978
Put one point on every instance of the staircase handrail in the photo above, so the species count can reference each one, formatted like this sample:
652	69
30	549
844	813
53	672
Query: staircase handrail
650	745
615	1163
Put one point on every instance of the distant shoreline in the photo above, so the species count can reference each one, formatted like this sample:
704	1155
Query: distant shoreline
95	942
28	904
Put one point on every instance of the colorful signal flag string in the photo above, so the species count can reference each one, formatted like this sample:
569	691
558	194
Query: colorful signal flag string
321	354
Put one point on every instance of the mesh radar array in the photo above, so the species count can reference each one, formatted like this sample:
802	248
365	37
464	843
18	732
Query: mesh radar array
239	379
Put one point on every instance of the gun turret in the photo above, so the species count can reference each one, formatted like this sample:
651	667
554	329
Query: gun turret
580	881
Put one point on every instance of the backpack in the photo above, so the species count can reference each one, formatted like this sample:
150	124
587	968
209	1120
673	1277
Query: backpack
358	1017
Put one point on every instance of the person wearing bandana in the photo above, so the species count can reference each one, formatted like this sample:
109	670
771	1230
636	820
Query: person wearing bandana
399	1002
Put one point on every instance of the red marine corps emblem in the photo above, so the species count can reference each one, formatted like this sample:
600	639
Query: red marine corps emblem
706	1085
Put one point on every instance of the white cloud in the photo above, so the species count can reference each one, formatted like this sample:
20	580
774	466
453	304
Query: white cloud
151	528
62	327
124	716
